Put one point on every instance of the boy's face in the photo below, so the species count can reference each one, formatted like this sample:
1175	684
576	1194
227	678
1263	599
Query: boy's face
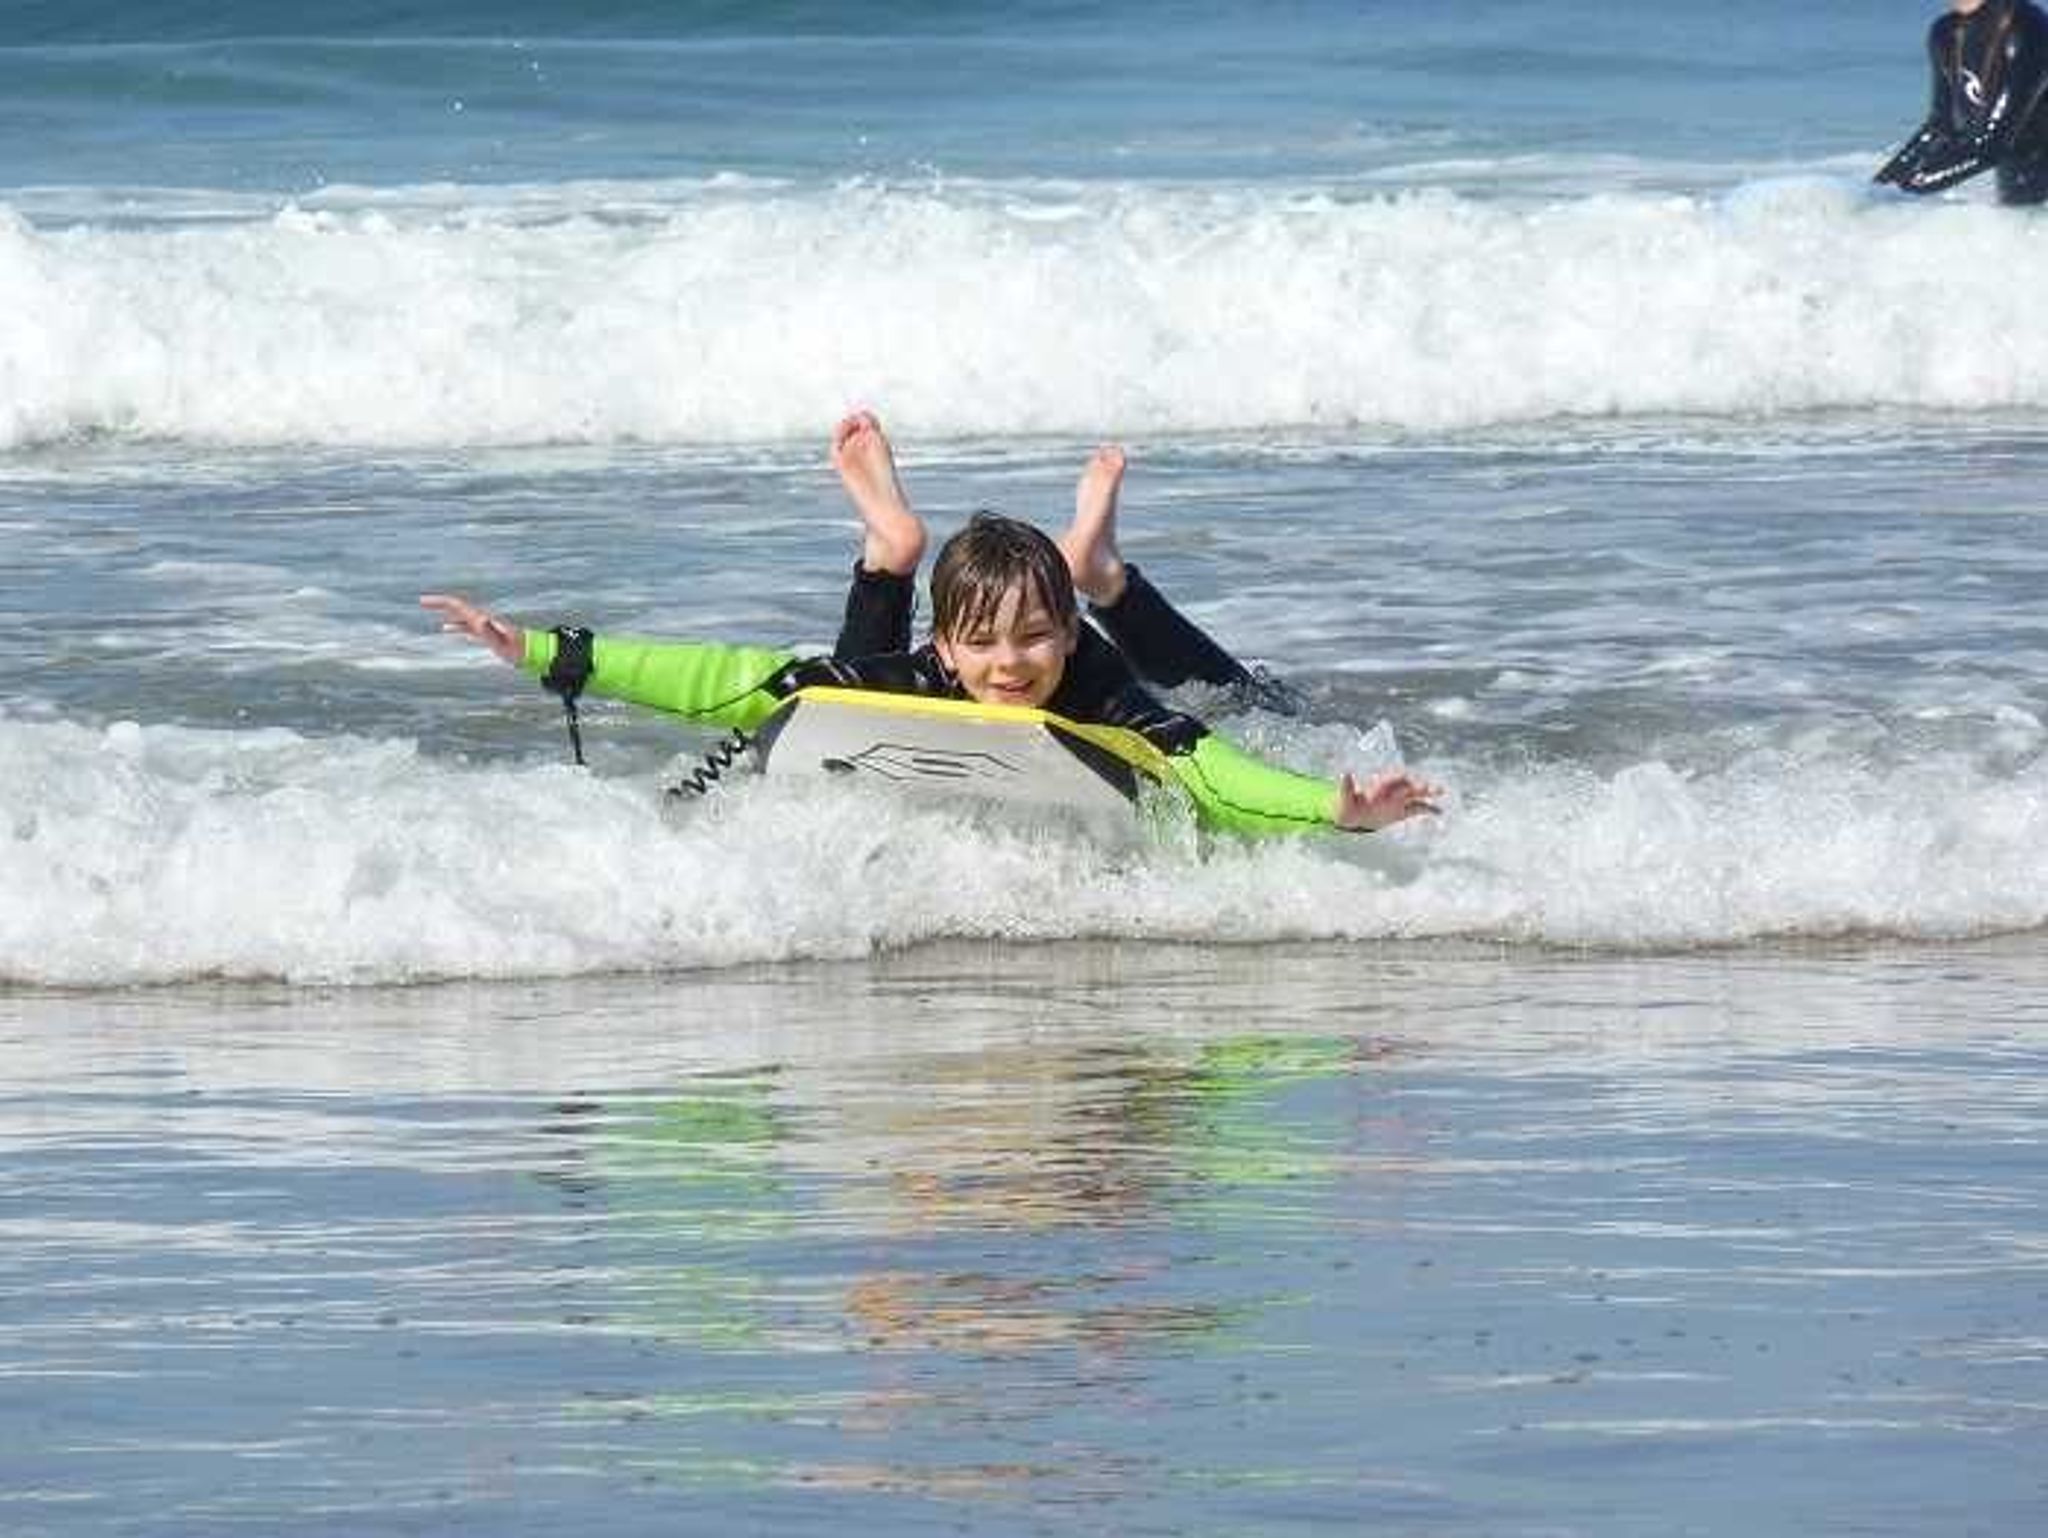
1016	658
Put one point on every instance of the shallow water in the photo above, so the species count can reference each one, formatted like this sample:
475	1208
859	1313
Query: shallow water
1107	1238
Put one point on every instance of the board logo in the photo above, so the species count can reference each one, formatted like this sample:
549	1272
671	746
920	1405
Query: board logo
901	761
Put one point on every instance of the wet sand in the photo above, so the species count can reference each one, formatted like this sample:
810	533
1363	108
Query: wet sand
1089	1238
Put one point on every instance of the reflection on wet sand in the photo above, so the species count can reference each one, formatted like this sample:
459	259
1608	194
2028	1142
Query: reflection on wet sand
978	1161
1017	1142
1179	1240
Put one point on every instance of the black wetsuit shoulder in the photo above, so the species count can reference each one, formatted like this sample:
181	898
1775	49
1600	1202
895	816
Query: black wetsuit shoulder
1099	686
908	672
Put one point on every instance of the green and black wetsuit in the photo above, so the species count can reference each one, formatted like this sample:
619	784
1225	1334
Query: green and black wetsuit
741	686
1990	81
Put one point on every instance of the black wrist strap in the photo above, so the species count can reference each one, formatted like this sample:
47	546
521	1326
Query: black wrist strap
567	674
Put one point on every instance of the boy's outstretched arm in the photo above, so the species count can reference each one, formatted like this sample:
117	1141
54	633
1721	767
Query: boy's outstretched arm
700	681
1234	790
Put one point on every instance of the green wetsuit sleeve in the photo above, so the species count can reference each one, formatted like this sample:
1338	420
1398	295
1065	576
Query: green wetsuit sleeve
697	680
1240	793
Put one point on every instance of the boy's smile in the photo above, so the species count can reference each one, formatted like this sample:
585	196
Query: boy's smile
1017	657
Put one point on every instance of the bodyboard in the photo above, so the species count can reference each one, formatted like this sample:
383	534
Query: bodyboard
923	747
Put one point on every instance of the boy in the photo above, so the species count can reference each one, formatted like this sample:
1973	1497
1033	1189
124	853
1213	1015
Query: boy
1006	630
1160	644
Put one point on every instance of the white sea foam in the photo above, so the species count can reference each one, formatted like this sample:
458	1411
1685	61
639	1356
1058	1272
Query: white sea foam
749	312
146	854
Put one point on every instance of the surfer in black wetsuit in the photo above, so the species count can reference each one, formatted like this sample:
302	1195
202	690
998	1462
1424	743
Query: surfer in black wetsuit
1990	61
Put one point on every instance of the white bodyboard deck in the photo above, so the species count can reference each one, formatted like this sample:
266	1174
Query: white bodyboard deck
922	747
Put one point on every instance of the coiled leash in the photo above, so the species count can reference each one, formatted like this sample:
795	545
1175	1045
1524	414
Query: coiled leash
718	758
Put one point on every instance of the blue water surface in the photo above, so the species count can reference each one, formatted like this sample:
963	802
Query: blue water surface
244	96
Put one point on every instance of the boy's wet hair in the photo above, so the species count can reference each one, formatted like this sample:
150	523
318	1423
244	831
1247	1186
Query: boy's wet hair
981	563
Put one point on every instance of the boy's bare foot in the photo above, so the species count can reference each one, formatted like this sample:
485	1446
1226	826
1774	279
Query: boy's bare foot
1090	541
894	538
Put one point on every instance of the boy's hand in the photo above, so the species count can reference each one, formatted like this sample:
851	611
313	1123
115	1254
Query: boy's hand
1387	798
460	617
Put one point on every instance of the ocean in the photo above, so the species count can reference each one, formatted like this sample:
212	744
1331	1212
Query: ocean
405	1131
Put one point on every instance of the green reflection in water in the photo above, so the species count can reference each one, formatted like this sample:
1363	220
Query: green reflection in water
961	1215
693	1187
1228	1120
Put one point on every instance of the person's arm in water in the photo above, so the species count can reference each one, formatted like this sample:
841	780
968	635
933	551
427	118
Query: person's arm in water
1244	794
1990	66
1933	131
1231	789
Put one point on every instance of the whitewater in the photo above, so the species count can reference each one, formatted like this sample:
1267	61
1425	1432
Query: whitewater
162	855
736	313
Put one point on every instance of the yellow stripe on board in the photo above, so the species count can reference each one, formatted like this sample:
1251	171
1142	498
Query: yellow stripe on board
1119	741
